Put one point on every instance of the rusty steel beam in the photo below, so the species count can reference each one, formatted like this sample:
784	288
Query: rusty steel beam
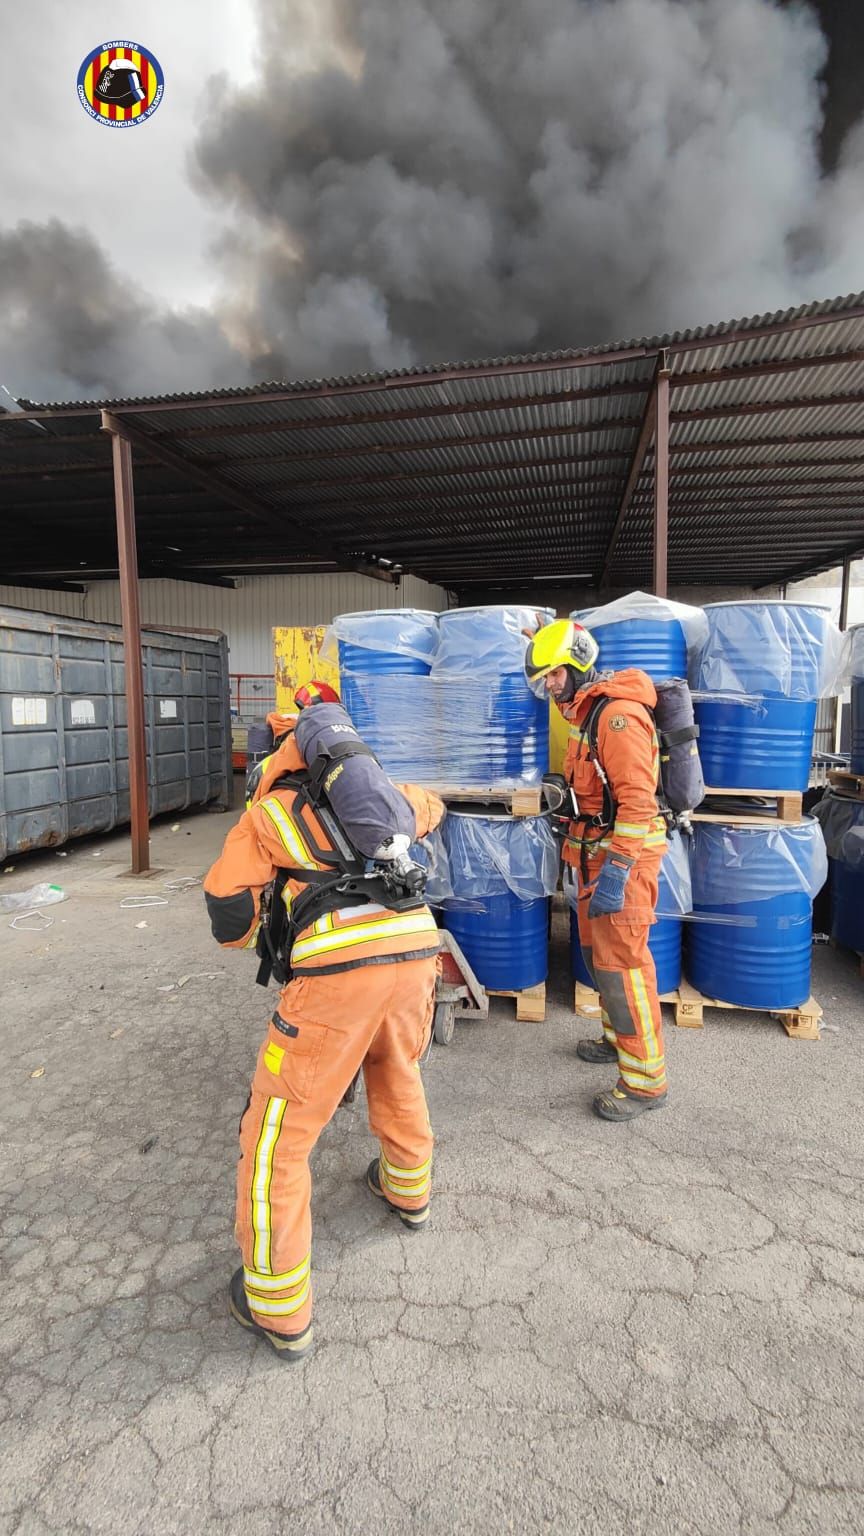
844	592
750	497
130	610
261	511
40	583
425	445
514	367
661	486
766	407
646	434
827	562
457	408
446	408
780	440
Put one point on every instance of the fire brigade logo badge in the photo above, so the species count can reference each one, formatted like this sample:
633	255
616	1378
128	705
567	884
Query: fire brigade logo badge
120	84
618	722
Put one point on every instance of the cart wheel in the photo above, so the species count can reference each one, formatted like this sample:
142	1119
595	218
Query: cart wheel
444	1023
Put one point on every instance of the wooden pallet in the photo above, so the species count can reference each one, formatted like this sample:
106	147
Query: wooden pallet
530	1003
786	807
526	801
689	1005
851	784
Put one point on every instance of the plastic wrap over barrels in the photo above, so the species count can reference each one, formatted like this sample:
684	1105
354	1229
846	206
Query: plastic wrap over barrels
377	691
496	731
504	939
751	936
842	820
856	744
664	942
770	654
656	647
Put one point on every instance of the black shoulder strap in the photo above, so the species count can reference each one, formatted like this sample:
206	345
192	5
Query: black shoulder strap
591	728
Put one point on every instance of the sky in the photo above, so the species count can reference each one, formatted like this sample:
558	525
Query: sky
337	186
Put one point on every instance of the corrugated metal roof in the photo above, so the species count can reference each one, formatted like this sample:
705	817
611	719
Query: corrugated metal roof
468	471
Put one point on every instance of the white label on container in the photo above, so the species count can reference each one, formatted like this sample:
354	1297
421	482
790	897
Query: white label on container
167	709
29	711
83	712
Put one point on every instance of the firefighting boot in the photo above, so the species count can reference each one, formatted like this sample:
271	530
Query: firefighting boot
413	1220
596	1050
620	1105
288	1346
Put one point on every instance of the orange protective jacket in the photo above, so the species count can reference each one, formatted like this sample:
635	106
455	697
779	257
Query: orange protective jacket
629	753
269	837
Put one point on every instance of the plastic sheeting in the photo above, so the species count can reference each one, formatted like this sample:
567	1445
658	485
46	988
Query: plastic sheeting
473	857
733	866
653	610
475	733
675	893
856	652
401	631
487	641
838	816
780	650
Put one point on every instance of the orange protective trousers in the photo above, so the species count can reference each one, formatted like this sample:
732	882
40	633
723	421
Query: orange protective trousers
615	950
378	1016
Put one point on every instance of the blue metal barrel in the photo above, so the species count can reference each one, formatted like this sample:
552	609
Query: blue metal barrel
769	655
753	946
389	648
497	732
856	743
844	827
658	648
505	939
664	942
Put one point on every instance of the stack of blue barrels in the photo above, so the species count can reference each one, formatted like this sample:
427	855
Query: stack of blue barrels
388	650
494	731
442	700
751	939
760	677
502	871
655	643
856	745
761	674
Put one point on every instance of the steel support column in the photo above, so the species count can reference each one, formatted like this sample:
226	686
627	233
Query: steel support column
124	502
844	619
661	485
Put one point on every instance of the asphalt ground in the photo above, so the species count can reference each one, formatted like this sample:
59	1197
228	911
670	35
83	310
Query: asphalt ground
651	1328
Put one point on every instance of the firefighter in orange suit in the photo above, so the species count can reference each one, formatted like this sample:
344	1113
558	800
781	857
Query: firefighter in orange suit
614	848
361	994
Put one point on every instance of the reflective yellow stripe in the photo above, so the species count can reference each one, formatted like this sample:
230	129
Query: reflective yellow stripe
262	1175
407	1192
258	1282
283	1306
365	933
406	1173
288	833
630	829
640	993
642	1080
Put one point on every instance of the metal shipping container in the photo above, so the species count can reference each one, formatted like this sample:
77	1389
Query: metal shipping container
64	769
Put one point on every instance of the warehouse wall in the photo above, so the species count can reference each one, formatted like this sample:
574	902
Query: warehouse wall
565	599
247	614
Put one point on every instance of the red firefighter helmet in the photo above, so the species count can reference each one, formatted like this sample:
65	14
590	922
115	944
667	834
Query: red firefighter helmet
315	693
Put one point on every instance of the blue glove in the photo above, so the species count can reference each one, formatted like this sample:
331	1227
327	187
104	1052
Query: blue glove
608	894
